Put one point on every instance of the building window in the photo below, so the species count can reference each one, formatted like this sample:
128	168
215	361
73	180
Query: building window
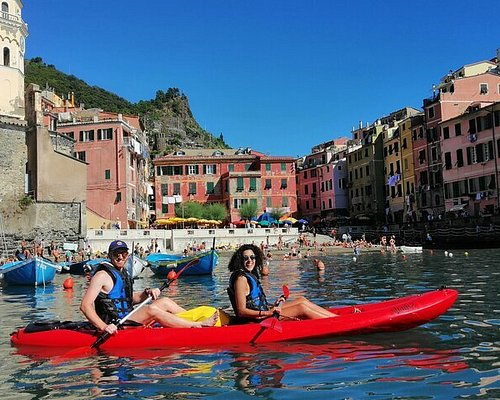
231	168
460	158
446	132
118	197
306	189
192	169
284	183
430	112
447	160
458	129
81	156
192	187
305	174
6	57
421	156
284	201
269	202
268	167
210	188
483	88
164	189
210	169
268	184
239	184
105	134
164	208
253	184
87	136
176	189
283	167
107	174
5	7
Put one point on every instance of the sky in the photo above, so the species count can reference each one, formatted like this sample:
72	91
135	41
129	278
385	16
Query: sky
278	76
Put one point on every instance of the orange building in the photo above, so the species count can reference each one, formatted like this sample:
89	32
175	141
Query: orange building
228	176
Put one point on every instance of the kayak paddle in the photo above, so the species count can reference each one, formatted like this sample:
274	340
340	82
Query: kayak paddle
273	322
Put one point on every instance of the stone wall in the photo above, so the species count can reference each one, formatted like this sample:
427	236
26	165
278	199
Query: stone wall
13	157
61	222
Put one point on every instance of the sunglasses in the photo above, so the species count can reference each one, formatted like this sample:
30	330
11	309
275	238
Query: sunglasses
121	254
246	258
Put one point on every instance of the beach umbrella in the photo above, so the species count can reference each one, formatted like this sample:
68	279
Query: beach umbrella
162	221
303	221
264	223
291	220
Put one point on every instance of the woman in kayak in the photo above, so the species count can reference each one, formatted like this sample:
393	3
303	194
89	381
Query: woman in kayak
247	297
110	297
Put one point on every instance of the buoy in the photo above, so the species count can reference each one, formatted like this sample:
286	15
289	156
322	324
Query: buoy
354	259
450	255
171	275
68	283
446	254
466	254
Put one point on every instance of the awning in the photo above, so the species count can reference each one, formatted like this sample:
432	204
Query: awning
458	207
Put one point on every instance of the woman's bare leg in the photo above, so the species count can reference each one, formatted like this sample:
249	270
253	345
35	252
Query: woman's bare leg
305	309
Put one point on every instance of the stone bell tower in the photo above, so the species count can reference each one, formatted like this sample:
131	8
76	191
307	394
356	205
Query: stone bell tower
13	33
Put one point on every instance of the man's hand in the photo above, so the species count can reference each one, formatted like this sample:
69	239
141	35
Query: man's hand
111	329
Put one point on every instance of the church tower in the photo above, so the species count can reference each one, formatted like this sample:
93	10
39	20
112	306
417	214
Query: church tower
13	33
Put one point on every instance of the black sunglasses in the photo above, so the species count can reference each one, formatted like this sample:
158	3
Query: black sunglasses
246	258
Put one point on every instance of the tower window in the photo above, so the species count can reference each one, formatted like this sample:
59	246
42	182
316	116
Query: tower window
5	7
6	56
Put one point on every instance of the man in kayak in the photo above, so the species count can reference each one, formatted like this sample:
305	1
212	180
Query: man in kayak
110	297
247	297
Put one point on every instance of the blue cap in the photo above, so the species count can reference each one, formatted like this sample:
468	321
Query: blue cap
116	245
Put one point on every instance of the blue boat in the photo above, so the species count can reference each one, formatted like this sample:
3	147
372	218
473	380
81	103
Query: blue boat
33	271
201	264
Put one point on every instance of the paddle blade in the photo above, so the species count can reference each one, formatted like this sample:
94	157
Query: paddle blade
272	323
286	291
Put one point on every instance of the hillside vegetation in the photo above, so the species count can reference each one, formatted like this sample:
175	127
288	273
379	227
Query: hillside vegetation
168	112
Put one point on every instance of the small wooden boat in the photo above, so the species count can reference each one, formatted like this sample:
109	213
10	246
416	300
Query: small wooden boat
201	264
411	249
33	271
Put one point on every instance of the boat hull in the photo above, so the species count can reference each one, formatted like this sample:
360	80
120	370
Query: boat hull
387	316
34	271
202	264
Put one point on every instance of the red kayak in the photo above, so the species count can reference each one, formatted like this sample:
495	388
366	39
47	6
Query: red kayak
386	316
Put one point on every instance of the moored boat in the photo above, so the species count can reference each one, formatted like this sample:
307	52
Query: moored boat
386	316
411	249
32	271
201	264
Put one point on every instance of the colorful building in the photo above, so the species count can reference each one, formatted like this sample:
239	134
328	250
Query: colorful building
470	145
321	181
472	85
228	176
115	150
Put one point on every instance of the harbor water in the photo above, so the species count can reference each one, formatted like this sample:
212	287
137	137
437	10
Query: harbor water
453	357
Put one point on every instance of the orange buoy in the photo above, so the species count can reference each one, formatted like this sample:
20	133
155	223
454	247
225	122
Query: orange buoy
68	283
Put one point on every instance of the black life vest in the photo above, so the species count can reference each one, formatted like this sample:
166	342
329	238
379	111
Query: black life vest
256	299
116	304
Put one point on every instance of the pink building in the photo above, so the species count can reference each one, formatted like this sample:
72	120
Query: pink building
321	181
476	83
470	144
114	147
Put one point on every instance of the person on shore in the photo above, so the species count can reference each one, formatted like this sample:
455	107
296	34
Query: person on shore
110	297
248	298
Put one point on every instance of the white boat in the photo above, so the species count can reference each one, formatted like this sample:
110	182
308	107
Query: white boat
411	249
136	267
